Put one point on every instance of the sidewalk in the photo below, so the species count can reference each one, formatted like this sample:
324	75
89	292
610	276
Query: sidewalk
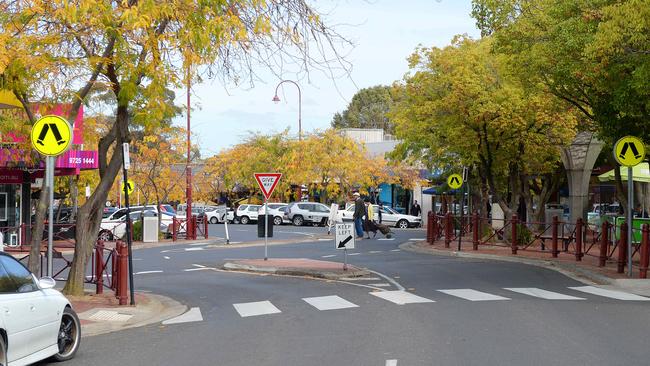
100	314
295	267
585	271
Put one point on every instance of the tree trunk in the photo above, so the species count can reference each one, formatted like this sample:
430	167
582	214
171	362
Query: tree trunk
621	193
34	263
74	195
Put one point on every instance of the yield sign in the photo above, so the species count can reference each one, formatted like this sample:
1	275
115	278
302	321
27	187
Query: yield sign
267	182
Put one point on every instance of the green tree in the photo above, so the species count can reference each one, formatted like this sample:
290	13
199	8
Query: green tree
140	49
368	109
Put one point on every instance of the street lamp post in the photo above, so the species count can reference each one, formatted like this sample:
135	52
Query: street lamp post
189	230
276	99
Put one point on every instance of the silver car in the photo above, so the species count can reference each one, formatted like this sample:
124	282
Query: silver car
301	213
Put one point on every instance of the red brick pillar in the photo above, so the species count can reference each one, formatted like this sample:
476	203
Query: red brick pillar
579	234
602	259
622	249
645	251
123	273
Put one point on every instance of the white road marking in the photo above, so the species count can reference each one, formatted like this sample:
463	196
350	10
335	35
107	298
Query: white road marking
375	251
395	250
619	295
325	239
354	253
329	302
380	284
542	294
192	315
473	295
166	257
386	239
193	249
391	362
401	297
197	269
198	265
256	308
395	283
417	239
235	242
359	278
147	272
329	256
111	316
195	244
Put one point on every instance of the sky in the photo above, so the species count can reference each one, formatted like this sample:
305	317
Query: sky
384	33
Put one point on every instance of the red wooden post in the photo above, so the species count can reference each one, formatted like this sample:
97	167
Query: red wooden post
622	249
205	226
430	227
554	230
475	229
579	234
174	228
514	234
645	251
603	244
99	267
114	268
448	229
123	274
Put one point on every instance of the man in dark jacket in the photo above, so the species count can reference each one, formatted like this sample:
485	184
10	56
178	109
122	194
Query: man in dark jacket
359	212
415	210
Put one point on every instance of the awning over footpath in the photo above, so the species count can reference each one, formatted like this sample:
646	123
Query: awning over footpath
640	173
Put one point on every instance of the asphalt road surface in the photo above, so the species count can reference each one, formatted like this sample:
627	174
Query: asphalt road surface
416	309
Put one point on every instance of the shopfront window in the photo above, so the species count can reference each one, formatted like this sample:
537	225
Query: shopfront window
10	204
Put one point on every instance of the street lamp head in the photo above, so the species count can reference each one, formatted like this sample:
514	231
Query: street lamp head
276	99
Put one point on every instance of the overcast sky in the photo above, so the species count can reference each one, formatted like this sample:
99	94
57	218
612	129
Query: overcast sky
385	33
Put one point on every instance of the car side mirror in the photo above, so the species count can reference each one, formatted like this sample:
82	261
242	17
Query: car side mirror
46	282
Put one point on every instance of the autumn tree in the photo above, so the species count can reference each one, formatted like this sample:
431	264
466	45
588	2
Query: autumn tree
368	108
61	50
460	107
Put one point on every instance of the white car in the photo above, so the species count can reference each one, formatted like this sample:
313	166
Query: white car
389	217
114	226
246	213
216	215
276	210
37	321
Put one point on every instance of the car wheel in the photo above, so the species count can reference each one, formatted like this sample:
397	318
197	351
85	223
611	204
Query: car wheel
3	352
69	336
105	235
277	221
403	224
244	220
214	220
298	220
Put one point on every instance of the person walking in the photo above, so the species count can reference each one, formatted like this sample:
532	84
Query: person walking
359	212
415	209
379	209
370	216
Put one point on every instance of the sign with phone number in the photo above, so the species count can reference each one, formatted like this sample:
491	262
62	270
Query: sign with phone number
78	159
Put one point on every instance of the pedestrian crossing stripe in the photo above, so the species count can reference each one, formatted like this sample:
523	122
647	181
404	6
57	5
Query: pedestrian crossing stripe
329	303
401	297
473	295
618	295
542	294
256	308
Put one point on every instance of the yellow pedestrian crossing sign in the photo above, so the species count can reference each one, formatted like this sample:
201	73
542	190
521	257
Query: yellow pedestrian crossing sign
51	135
629	151
128	187
455	181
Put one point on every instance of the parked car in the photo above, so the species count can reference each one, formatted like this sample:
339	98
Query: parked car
300	213
276	210
114	226
246	213
37	321
108	211
389	217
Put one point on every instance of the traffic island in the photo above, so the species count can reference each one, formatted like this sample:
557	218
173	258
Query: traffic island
295	267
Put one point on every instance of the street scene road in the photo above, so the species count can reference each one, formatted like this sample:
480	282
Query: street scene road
414	308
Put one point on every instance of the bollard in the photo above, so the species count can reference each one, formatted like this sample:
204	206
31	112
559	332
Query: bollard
430	227
645	251
114	266
205	227
99	267
602	259
514	234
448	229
123	274
174	229
622	249
554	229
579	234
475	229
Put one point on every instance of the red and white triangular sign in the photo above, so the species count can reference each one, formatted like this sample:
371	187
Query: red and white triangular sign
267	182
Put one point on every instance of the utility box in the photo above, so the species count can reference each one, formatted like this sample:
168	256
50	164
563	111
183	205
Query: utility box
150	229
260	226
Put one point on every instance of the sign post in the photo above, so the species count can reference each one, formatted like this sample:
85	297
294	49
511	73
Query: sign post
455	181
629	151
127	188
51	136
267	183
344	239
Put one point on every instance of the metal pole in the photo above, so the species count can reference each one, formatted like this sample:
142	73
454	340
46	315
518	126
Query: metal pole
345	259
128	233
225	223
50	219
630	205
266	228
188	169
460	227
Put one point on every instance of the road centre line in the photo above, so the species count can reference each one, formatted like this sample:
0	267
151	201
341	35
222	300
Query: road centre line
198	269
329	256
198	265
354	253
147	272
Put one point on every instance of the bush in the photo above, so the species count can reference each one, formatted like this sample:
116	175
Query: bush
137	230
524	235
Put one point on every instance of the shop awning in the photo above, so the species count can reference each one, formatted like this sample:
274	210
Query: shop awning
640	173
8	100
